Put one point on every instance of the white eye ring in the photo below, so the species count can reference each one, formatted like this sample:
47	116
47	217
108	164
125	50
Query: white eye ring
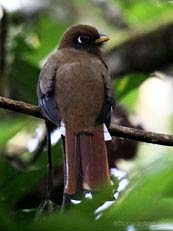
83	39
79	39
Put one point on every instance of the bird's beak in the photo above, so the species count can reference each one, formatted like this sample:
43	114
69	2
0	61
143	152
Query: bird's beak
103	38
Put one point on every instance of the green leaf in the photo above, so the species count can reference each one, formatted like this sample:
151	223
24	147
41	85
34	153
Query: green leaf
68	221
146	13
5	221
25	77
9	128
15	184
48	32
149	199
128	83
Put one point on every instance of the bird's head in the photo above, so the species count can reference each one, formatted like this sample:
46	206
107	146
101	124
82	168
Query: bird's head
83	37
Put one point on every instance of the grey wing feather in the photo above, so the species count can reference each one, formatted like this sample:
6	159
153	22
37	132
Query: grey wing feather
109	99
45	92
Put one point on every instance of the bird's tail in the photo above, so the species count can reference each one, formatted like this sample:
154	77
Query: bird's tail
86	161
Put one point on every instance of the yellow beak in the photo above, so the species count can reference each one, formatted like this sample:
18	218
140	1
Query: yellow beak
103	38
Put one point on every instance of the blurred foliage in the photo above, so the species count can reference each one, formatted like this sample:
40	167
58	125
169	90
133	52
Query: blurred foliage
31	38
146	13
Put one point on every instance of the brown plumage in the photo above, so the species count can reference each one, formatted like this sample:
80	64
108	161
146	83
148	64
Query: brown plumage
81	98
75	87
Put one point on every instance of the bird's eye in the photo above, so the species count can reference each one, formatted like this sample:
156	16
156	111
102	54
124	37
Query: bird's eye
83	39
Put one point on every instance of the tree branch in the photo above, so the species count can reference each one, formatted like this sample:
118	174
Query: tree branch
21	107
144	52
141	135
115	130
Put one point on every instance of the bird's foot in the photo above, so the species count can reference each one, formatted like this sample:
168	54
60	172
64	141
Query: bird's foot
46	207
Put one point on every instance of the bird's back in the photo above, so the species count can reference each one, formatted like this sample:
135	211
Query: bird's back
79	89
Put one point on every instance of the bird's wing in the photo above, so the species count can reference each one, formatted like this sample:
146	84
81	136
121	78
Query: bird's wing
109	98
45	91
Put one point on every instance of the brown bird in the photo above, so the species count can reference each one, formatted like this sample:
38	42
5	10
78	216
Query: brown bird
75	88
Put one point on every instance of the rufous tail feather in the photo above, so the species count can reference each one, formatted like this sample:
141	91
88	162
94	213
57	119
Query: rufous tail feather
86	154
